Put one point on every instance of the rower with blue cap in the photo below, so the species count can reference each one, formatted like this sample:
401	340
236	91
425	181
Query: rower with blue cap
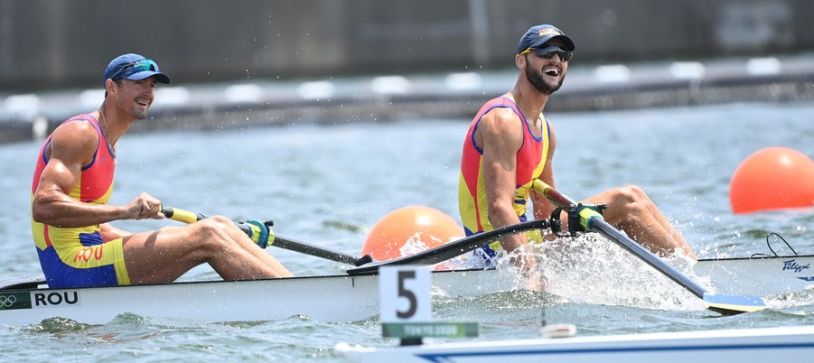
72	183
510	145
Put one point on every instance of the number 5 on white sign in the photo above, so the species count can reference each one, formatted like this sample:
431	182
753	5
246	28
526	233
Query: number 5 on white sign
404	294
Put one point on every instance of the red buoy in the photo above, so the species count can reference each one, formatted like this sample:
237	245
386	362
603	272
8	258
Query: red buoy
431	226
772	178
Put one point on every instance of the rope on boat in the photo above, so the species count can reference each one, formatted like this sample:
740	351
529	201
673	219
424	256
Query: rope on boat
782	239
769	244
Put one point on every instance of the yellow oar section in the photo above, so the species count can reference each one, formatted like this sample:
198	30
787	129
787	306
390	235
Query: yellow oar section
263	235
593	221
181	215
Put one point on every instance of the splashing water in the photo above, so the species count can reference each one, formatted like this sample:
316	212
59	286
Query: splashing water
588	269
791	299
414	245
591	269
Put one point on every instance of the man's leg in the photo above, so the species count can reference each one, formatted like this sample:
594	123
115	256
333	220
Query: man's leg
164	255
631	210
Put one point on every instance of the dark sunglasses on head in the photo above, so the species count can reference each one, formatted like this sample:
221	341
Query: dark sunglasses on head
549	51
135	67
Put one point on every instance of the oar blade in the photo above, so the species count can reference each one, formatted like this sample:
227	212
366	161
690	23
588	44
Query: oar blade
732	305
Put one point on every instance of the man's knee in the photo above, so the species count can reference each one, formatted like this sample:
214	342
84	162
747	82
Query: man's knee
631	194
221	221
630	202
210	229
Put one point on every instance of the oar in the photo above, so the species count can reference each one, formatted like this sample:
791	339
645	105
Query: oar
593	221
278	241
452	249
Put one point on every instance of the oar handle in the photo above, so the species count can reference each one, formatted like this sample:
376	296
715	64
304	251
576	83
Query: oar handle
554	196
181	215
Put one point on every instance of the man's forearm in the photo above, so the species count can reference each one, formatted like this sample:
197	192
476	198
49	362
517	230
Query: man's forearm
70	213
501	217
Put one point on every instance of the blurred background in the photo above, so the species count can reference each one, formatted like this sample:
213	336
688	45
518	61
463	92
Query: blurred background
247	63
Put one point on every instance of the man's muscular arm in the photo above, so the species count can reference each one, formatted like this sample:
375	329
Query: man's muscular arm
73	145
500	133
542	206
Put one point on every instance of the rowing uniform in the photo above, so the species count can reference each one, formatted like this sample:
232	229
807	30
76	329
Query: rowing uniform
77	256
531	160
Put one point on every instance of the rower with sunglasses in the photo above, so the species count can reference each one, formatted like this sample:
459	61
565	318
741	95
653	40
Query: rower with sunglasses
510	143
72	184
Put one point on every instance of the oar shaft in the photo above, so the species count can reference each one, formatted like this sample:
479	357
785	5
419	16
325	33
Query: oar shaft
188	217
613	234
321	252
453	249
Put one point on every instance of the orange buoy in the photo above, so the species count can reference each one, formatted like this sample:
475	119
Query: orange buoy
414	224
772	178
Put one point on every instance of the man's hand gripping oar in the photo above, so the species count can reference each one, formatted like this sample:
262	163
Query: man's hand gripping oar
262	234
592	221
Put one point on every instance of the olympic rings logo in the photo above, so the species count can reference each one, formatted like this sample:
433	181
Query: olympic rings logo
7	301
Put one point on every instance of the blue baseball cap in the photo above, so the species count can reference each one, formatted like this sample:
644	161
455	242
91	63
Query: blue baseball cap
541	34
134	67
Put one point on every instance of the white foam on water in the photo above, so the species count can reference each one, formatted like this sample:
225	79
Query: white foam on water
413	245
588	269
591	269
790	300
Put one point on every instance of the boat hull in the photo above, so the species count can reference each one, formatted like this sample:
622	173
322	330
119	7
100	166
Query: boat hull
323	298
768	276
334	298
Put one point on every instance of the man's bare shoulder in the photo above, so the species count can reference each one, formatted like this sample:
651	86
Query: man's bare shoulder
502	114
500	128
501	120
77	138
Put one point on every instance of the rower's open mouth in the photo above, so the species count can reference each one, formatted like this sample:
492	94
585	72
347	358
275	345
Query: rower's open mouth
554	72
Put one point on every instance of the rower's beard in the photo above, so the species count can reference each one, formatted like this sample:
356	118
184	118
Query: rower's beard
536	80
140	113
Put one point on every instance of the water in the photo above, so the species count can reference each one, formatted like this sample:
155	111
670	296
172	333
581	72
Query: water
328	185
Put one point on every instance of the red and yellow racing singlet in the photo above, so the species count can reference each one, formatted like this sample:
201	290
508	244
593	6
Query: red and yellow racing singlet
76	257
531	160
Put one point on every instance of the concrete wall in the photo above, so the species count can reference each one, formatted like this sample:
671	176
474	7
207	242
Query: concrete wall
61	43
